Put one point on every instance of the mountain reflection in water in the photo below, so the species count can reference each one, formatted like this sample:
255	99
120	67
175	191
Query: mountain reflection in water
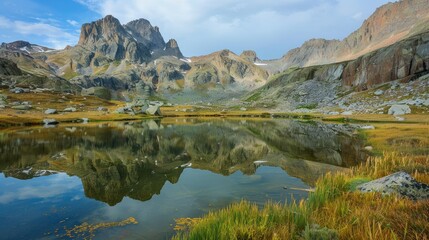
136	159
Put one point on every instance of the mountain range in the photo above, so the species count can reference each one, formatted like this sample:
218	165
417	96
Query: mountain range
133	59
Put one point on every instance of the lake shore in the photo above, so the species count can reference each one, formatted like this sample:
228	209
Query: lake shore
335	210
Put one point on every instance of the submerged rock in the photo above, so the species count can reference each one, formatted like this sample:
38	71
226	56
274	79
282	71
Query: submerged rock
400	183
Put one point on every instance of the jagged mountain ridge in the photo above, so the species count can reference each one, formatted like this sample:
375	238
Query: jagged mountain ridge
121	57
389	24
331	85
135	56
25	47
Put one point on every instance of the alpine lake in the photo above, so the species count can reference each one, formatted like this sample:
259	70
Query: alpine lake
132	180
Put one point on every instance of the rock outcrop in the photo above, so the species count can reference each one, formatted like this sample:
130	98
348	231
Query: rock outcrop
404	61
400	183
8	67
172	49
250	56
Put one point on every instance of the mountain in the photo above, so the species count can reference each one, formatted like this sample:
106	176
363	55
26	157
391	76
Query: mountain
107	38
399	71
389	24
142	31
225	67
134	60
133	56
25	47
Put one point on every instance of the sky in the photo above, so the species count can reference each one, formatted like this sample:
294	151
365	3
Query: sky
269	27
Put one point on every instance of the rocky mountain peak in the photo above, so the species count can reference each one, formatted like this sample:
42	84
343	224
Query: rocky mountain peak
107	28
172	43
143	31
249	55
109	38
390	23
25	47
172	49
18	44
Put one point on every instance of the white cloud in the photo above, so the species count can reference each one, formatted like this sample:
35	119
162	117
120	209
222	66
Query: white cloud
53	186
271	27
73	23
54	36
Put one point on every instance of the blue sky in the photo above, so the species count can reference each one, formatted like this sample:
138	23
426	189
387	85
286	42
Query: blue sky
270	27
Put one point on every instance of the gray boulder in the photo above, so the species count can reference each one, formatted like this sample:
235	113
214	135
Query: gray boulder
400	183
70	109
399	109
50	121
378	92
123	110
102	109
51	111
153	110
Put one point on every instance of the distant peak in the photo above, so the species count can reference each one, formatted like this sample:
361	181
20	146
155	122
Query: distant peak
172	43
140	20
249	55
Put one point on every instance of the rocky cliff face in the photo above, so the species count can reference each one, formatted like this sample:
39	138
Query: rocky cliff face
320	86
8	68
390	23
107	37
145	33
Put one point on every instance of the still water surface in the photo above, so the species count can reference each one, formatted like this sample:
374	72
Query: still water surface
157	171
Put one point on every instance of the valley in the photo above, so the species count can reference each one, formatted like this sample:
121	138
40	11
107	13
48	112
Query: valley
121	135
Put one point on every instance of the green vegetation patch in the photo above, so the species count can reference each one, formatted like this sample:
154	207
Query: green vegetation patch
308	106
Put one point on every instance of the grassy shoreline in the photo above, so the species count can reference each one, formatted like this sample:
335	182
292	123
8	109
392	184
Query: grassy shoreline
334	210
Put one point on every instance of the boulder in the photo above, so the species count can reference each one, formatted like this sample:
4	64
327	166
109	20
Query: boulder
102	109
70	109
50	121
400	183
378	92
153	110
347	113
51	111
399	109
17	90
123	110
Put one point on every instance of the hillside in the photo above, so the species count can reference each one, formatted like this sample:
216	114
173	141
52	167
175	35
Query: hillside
389	24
